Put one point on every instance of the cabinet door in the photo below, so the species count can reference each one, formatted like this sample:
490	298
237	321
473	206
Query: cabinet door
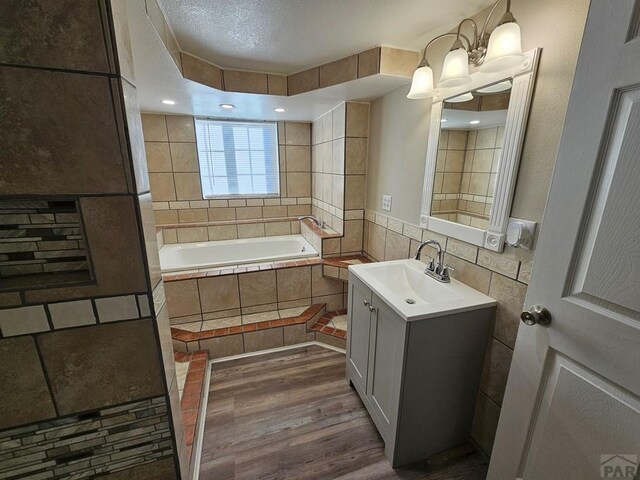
358	332
385	365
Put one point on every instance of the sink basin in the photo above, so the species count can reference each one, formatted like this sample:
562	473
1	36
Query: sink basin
403	285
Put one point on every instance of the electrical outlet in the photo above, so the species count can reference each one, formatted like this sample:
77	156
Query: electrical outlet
386	202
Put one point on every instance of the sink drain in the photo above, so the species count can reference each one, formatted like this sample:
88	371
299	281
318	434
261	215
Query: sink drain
410	301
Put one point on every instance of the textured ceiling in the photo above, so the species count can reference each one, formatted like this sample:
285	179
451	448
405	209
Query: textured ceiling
286	36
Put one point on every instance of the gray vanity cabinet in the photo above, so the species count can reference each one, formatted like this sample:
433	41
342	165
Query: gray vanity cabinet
418	380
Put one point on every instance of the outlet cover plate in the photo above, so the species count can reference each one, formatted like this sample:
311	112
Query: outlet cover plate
386	202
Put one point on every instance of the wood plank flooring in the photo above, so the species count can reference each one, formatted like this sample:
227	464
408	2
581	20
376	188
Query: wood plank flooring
291	415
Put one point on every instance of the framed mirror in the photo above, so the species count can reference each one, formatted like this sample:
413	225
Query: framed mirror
475	141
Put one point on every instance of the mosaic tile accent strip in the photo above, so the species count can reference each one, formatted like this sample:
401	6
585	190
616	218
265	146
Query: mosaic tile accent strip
39	237
86	445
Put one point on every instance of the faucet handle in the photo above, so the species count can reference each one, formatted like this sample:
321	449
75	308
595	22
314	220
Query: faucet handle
430	265
446	269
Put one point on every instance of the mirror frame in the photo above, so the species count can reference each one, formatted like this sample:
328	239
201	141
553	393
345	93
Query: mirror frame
523	80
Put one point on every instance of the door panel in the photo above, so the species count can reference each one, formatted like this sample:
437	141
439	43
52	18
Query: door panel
579	410
388	335
574	387
359	328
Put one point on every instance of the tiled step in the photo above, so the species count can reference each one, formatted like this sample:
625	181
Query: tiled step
333	324
191	388
188	341
338	267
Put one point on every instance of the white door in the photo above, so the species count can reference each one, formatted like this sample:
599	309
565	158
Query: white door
572	405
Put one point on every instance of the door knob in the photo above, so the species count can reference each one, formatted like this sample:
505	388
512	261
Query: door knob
536	315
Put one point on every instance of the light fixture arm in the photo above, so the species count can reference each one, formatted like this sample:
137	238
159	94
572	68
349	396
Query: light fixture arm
424	62
507	17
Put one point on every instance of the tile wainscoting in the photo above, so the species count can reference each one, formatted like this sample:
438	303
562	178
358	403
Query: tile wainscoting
503	276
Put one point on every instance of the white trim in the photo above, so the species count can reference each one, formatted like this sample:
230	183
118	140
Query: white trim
202	417
274	350
521	93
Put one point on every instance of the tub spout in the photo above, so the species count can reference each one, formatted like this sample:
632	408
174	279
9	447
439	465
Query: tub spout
315	220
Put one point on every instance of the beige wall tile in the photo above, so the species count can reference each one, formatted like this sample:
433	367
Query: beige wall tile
457	140
473	275
338	121
298	133
112	309
223	346
510	296
158	157
248	212
119	363
223	232
25	396
485	423
524	275
192	234
201	71
294	283
394	61
19	321
496	370
274	212
356	156
277	228
294	334
154	128
182	298
303	81
376	241
181	128
332	302
245	82
222	213
462	250
258	288
263	339
166	217
219	293
251	230
184	157
298	158
339	71
187	186
277	84
352	240
162	186
355	189
369	62
357	123
338	156
498	263
298	184
193	215
321	286
396	246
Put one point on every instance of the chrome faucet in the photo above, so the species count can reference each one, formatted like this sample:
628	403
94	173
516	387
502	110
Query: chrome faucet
318	223
440	271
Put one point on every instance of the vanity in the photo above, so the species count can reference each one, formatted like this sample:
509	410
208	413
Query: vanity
415	352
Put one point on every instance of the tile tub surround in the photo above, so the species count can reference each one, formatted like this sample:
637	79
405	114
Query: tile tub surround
172	161
502	276
83	349
338	164
90	444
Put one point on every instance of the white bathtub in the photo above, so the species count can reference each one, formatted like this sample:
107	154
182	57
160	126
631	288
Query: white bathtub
193	256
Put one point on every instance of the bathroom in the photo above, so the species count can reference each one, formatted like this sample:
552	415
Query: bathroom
297	240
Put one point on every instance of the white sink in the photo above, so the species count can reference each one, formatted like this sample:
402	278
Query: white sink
403	285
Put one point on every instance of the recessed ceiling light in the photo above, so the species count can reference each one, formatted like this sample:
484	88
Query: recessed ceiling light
443	120
279	109
227	106
168	102
474	122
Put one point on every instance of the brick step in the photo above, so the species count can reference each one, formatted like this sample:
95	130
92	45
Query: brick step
338	267
328	324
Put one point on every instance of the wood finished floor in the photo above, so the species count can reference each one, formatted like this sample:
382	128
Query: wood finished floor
291	415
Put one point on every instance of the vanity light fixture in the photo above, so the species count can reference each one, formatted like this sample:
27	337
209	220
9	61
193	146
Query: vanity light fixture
168	102
280	110
227	106
493	52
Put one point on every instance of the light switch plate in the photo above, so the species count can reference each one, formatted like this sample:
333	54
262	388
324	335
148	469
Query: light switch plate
386	202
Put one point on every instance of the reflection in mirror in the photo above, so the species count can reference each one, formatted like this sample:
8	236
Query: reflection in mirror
469	152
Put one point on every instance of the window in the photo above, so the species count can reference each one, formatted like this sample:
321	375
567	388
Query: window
237	158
